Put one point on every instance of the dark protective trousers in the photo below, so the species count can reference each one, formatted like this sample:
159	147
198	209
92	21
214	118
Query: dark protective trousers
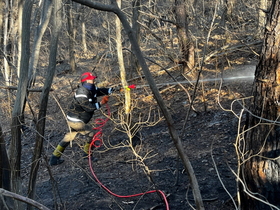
76	128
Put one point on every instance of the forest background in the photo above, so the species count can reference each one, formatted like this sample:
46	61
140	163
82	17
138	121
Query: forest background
45	46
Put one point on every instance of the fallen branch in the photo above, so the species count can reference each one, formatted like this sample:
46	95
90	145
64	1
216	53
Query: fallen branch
23	199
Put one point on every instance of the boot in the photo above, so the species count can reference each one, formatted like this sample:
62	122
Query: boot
54	160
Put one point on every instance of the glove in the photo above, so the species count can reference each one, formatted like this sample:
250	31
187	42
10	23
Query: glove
104	100
111	90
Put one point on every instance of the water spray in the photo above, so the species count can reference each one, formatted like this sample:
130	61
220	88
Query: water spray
192	82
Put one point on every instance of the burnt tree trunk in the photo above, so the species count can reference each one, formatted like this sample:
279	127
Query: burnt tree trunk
186	44
41	121
72	35
15	143
4	164
260	172
136	4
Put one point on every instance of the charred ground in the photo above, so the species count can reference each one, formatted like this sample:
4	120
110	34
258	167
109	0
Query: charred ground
208	140
209	135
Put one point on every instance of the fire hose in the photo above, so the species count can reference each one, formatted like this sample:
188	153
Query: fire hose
97	142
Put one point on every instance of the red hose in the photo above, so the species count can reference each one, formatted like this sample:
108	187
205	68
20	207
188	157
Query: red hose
97	138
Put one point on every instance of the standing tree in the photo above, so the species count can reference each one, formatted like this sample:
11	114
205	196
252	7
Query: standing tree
262	16
260	174
40	124
15	146
83	31
121	62
186	44
136	30
4	165
39	32
19	44
2	6
6	45
71	28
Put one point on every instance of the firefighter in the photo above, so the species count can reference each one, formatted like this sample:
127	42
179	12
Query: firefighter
80	113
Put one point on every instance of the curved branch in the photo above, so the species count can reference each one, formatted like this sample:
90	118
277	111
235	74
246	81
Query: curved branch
23	199
98	6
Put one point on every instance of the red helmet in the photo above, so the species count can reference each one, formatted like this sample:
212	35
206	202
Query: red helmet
87	76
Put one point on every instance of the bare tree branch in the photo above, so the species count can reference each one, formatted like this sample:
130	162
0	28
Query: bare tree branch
23	199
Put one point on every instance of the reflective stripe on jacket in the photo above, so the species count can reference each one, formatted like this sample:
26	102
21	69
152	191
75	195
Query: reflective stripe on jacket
85	103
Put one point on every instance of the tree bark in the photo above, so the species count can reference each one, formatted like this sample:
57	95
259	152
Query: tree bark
262	17
2	6
186	44
6	29
40	124
4	169
71	33
136	29
15	146
41	28
260	167
4	164
84	32
20	15
127	103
